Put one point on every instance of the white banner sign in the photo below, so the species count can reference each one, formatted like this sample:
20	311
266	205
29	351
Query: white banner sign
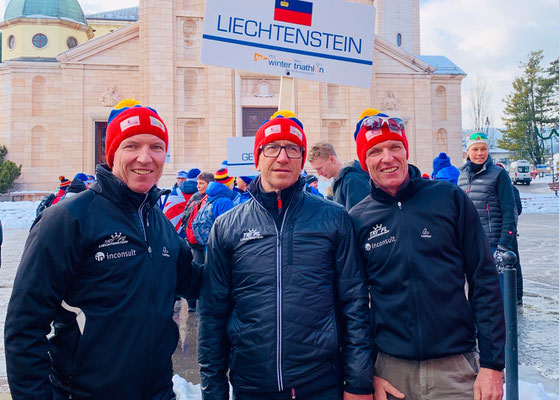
327	40
240	157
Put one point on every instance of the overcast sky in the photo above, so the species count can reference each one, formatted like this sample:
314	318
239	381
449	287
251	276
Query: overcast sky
483	37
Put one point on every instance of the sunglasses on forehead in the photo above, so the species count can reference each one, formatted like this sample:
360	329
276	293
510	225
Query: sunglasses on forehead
395	125
478	136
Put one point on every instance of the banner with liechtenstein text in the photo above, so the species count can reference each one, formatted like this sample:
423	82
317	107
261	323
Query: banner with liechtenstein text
324	40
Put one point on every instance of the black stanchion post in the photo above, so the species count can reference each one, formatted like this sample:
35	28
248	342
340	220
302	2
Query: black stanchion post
511	348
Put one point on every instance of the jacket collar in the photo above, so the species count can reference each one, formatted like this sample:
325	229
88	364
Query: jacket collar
288	195
469	167
405	192
109	186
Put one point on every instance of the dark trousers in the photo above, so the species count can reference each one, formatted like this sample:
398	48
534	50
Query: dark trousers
333	393
198	258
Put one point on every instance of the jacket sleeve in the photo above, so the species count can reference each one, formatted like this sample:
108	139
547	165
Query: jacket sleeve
189	274
355	188
353	303
40	285
517	200
221	206
484	290
214	310
506	201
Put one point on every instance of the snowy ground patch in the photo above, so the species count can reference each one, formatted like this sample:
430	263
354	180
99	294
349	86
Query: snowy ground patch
17	214
536	203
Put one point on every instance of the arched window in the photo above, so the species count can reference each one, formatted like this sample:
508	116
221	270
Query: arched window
38	96
11	42
71	42
190	29
399	39
38	146
440	103
40	40
442	140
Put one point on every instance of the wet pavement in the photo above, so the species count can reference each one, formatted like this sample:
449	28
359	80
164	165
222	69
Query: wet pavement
538	318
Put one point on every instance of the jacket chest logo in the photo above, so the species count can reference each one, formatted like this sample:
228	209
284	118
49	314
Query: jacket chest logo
115	239
425	234
251	234
377	231
165	252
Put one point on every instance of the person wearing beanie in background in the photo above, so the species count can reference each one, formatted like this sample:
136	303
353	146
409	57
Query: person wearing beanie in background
175	203
90	181
106	280
490	189
283	306
189	186
444	170
312	185
351	183
62	189
241	188
419	239
76	186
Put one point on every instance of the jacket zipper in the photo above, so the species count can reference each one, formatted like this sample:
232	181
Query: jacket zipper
488	216
278	291
420	347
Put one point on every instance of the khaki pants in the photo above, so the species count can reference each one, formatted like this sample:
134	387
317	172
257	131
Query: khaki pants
448	378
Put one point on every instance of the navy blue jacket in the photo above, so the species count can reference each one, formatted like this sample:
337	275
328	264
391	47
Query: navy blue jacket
282	307
104	266
351	185
417	248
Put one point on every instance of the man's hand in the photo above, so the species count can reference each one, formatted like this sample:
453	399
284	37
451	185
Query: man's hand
488	385
382	387
350	396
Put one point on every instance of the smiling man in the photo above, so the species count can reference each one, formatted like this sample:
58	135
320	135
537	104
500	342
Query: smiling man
419	239
283	308
103	268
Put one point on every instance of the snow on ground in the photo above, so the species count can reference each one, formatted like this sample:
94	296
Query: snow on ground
17	214
21	214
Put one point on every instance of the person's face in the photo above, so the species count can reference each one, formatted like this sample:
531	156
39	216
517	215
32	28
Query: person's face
202	185
139	160
314	184
180	180
279	172
478	153
241	184
325	167
387	165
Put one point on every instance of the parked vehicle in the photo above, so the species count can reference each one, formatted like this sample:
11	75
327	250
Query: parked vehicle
519	171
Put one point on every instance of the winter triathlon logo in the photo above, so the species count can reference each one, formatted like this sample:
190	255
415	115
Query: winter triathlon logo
252	234
115	239
377	231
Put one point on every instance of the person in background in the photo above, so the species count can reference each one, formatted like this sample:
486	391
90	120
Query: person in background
283	309
490	189
420	239
175	204
62	188
351	183
90	181
222	177
189	186
101	271
519	279
444	170
241	188
312	185
329	193
76	186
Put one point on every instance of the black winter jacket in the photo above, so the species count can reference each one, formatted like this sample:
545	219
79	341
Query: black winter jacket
417	247
104	266
351	186
278	304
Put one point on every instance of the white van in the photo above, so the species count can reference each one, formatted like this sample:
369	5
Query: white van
519	171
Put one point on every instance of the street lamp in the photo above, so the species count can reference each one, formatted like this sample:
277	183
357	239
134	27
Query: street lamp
491	144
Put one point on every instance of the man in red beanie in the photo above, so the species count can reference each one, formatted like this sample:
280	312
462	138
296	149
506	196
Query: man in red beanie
106	279
283	306
418	239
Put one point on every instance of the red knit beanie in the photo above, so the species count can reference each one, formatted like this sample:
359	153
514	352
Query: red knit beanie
130	121
367	138
280	128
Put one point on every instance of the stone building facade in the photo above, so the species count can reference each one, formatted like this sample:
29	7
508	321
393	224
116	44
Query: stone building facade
53	111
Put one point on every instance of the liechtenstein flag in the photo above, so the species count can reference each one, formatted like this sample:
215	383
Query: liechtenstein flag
293	11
